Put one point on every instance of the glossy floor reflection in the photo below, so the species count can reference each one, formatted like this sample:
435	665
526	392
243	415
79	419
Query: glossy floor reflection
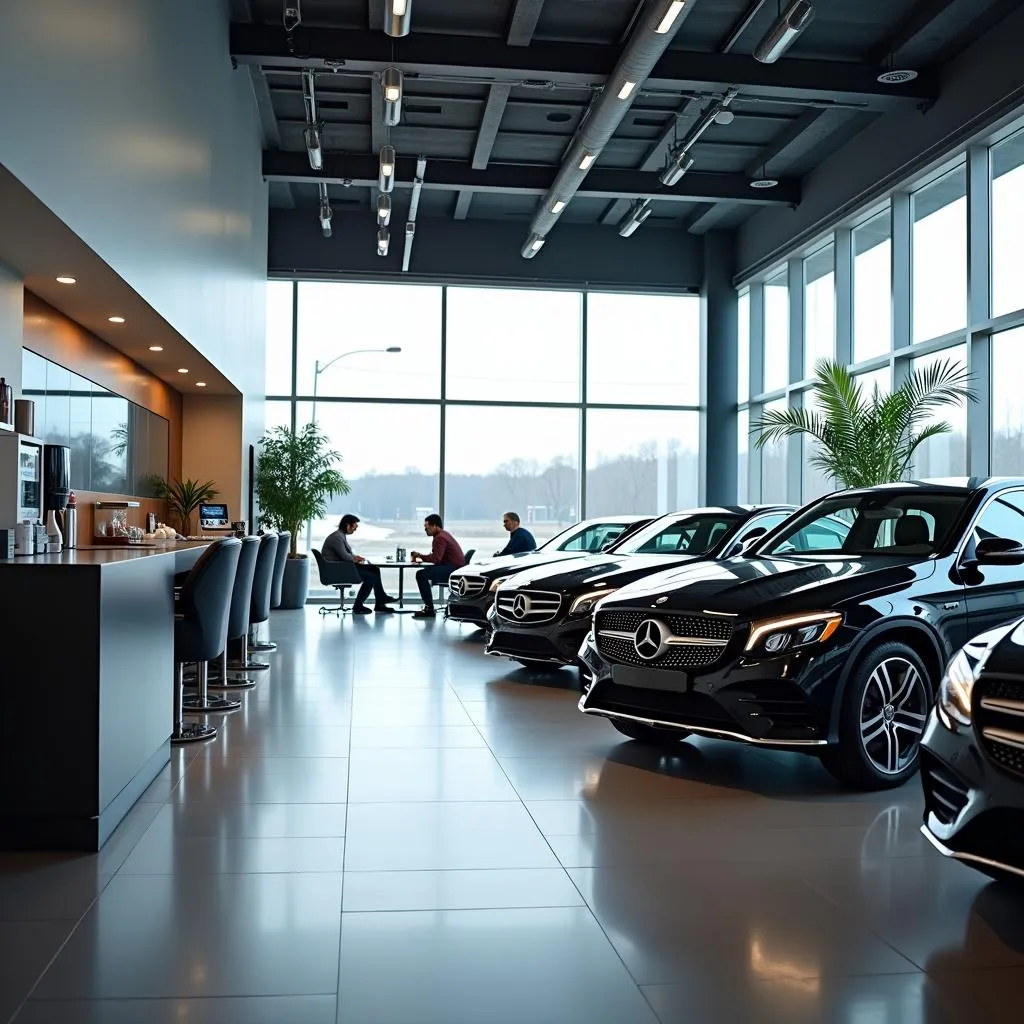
397	829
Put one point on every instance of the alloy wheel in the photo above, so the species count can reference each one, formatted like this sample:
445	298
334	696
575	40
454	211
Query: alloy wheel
893	711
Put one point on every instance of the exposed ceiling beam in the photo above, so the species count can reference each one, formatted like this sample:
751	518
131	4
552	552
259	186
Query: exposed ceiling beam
375	15
497	99
917	19
462	205
791	138
568	64
615	211
523	23
269	122
528	179
708	218
741	25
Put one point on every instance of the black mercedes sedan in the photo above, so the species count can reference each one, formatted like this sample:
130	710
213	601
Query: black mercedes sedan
832	647
541	615
972	756
472	587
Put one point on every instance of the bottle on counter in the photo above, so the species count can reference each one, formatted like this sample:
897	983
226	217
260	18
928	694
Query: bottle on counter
42	544
71	522
24	538
54	539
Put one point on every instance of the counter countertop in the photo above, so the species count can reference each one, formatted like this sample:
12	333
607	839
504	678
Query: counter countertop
95	555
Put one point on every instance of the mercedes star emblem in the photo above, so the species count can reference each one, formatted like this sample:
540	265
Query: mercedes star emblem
521	606
649	639
458	585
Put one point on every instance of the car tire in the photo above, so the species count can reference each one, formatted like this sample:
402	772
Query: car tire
650	734
885	704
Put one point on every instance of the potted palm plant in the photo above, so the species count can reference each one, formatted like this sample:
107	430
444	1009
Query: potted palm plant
295	477
864	440
184	497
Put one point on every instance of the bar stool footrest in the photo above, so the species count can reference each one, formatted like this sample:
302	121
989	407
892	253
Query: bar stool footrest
262	646
239	683
196	705
248	666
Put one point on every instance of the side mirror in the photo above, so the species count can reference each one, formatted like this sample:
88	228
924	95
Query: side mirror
997	551
744	545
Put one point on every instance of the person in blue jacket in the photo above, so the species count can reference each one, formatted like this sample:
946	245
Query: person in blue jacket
520	539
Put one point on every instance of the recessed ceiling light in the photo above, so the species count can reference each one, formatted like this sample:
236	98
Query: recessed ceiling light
181	369
65	279
897	76
156	348
764	182
200	383
116	319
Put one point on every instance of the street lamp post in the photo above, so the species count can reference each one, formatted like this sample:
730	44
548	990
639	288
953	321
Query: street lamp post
317	370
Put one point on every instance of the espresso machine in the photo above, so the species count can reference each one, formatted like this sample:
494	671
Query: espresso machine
57	486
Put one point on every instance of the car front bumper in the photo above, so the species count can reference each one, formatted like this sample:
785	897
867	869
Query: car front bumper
974	810
555	642
783	702
470	609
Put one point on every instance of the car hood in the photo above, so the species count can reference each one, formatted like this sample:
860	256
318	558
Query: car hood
506	565
594	571
779	586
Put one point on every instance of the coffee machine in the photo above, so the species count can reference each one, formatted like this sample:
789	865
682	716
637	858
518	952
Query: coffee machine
57	484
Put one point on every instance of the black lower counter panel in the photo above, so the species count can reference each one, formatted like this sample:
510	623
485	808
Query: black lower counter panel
88	710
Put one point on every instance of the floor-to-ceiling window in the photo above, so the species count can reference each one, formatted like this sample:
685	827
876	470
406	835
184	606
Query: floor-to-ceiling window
915	299
478	401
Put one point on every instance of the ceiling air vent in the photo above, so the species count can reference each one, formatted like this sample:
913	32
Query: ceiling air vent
897	76
559	117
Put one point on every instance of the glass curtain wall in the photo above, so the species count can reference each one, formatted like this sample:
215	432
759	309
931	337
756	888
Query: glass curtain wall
495	400
934	275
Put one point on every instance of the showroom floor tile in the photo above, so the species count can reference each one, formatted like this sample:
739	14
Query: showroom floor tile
395	828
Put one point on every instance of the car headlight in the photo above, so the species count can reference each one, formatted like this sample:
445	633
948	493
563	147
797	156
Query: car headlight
498	582
777	636
957	686
584	604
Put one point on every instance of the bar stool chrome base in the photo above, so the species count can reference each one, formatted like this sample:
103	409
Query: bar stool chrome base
223	681
193	732
260	645
202	702
244	664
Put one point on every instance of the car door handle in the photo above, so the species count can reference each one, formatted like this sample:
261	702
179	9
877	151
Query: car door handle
951	606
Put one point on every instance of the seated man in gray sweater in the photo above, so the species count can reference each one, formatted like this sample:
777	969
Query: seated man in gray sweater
337	549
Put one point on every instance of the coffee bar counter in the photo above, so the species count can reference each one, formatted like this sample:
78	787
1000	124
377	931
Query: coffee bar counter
87	688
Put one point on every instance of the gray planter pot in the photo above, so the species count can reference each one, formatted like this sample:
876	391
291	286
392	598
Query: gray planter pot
295	586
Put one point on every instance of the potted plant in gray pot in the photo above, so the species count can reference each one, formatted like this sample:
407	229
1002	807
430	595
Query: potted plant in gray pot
295	477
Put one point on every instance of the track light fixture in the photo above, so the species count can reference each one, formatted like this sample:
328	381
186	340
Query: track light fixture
397	17
383	210
676	168
314	149
387	169
292	15
534	244
781	36
325	210
383	241
638	213
392	86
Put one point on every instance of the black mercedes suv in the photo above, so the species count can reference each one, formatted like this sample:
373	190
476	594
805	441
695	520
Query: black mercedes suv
472	588
830	647
541	615
972	756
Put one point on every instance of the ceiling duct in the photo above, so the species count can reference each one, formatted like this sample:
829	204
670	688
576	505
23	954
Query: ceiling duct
782	35
414	207
651	37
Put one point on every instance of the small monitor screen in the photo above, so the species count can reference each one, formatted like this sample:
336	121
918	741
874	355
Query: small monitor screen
213	517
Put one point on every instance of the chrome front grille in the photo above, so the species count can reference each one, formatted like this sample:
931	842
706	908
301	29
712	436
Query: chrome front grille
467	585
620	650
688	641
700	627
529	607
999	720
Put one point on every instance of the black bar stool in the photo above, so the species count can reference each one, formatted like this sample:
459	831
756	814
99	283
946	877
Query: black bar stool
201	626
284	543
238	617
259	602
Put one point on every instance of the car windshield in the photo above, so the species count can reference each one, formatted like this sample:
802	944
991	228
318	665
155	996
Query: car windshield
679	535
911	522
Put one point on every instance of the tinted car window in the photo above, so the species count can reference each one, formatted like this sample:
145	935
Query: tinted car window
1002	519
882	523
690	535
594	538
761	525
